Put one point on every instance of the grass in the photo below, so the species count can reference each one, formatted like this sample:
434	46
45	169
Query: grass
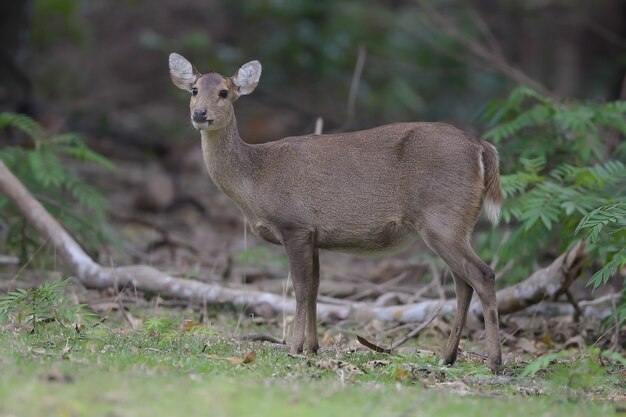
161	370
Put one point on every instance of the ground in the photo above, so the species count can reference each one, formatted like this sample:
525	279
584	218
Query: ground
148	356
162	362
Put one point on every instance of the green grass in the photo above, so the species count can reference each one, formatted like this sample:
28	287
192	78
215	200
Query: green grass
163	371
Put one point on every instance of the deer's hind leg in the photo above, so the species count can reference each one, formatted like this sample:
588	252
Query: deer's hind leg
464	293
451	242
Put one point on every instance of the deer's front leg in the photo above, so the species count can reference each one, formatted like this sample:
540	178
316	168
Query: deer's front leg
299	248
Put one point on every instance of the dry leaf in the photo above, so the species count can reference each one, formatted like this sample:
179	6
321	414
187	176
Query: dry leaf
547	340
401	374
328	339
248	358
211	356
190	325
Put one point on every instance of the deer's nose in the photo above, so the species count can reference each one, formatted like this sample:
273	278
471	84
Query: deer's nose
199	115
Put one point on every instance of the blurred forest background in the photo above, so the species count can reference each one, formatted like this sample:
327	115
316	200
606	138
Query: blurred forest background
542	79
100	64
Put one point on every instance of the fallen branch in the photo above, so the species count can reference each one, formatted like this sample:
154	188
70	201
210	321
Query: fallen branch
544	283
262	337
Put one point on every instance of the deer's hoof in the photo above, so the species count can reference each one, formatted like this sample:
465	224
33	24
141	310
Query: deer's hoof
312	349
495	365
296	349
450	359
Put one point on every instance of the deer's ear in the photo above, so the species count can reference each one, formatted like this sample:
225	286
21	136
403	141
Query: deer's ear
184	74
247	77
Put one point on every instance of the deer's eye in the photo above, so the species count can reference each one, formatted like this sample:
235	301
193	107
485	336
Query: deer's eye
194	91
223	93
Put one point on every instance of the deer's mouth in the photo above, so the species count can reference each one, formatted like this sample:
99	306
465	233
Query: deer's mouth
206	125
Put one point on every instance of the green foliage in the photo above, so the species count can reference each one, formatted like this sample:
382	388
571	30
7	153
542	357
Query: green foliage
106	360
164	329
558	178
45	304
168	330
319	40
574	376
54	20
41	169
607	225
259	255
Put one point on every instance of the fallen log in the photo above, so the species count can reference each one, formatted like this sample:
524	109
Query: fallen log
545	283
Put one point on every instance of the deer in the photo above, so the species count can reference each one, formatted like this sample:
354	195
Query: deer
365	192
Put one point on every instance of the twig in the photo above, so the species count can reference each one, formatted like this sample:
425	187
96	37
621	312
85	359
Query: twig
437	278
506	268
505	237
132	322
616	324
577	311
354	86
378	288
413	333
487	32
495	59
319	125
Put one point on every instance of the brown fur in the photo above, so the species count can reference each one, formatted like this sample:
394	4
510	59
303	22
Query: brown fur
366	191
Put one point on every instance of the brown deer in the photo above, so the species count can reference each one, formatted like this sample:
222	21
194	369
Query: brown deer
368	191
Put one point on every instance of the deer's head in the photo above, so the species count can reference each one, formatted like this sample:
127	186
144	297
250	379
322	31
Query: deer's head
212	94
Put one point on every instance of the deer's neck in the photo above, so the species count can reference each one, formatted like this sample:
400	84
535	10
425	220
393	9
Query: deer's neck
228	159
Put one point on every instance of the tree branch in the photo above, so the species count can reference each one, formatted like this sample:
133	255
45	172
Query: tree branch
492	56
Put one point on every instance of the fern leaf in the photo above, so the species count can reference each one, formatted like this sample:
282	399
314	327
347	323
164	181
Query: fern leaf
23	123
536	115
46	168
85	154
602	216
608	270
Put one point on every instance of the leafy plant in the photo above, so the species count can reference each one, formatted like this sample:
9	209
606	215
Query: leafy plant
559	178
574	376
41	169
42	305
161	327
607	224
167	330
